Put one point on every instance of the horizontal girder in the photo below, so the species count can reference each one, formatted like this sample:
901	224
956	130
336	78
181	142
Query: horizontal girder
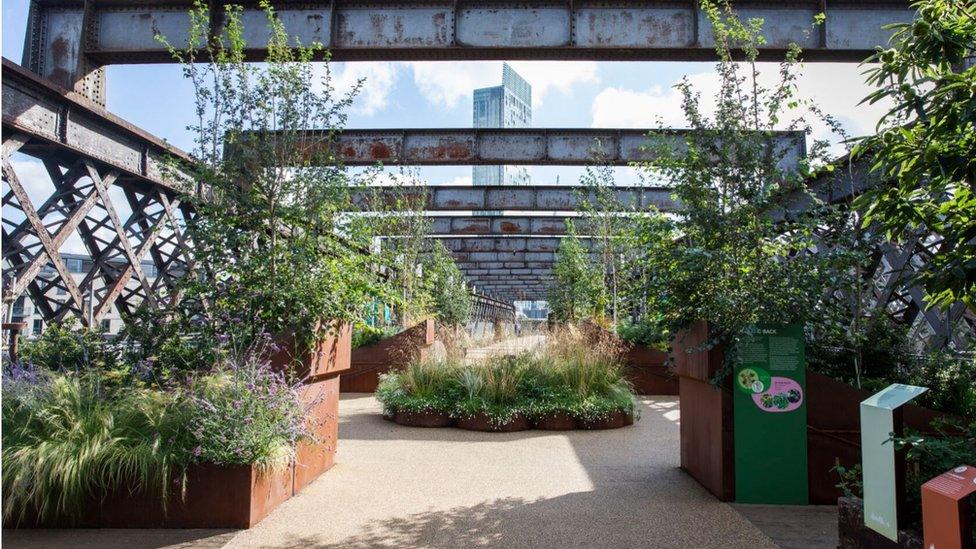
452	198
70	124
124	31
528	244
519	146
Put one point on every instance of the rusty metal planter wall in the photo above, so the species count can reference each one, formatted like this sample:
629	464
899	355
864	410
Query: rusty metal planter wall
369	361
647	371
239	496
706	414
833	422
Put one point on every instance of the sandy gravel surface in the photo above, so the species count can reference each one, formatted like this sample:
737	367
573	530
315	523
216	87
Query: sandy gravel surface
397	486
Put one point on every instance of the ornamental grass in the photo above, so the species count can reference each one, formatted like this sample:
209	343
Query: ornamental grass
576	373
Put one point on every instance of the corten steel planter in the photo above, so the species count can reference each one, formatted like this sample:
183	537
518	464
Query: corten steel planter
646	367
331	356
628	419
706	413
395	352
556	421
834	431
615	420
427	418
853	534
480	422
833	423
240	496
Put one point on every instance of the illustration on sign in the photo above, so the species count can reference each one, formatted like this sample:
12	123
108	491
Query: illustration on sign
769	416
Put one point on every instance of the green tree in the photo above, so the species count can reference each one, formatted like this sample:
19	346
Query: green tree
451	297
578	292
274	250
926	143
738	253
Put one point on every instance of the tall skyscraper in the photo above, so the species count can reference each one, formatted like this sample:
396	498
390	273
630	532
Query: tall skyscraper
505	106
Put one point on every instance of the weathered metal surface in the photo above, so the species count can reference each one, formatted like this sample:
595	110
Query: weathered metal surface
88	155
51	116
522	146
525	198
70	40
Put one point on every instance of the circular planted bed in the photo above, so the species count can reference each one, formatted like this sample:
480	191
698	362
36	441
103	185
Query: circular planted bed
480	421
556	421
614	420
426	418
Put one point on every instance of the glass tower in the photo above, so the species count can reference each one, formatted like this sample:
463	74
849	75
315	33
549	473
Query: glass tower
505	106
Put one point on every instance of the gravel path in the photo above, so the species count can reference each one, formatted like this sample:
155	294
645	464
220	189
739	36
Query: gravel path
397	486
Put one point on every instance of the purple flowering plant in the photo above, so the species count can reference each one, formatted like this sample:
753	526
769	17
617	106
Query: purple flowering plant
244	412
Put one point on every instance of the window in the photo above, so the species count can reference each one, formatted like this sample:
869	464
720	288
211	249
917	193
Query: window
74	264
106	325
38	326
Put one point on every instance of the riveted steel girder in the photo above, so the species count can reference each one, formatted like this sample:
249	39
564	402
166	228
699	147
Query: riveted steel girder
68	40
518	146
452	198
67	122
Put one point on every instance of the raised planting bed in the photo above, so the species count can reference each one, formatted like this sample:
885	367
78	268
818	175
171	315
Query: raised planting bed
369	361
853	534
556	421
426	418
481	422
615	420
646	367
231	496
833	422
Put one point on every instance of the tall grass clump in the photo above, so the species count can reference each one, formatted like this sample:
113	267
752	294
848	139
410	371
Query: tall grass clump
67	437
578	373
431	384
498	387
581	373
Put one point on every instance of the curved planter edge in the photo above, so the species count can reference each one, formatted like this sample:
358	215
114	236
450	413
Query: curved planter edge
427	419
480	422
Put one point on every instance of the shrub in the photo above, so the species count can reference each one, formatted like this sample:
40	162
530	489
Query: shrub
647	333
65	346
243	413
364	334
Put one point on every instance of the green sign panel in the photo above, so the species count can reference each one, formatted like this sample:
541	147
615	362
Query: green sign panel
878	457
770	416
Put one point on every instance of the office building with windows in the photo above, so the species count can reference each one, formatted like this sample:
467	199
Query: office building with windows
24	310
505	106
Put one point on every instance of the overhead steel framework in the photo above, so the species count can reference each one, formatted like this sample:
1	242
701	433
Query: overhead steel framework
528	198
70	41
93	160
522	146
87	155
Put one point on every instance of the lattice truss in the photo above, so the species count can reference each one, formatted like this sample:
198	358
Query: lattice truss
888	287
54	200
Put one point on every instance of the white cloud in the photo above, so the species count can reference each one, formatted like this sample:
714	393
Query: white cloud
444	83
380	80
836	88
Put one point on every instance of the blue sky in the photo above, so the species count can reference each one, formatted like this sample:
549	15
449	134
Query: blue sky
438	94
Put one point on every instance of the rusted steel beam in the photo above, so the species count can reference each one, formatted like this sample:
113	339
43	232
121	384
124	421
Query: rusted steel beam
517	146
449	198
528	244
69	123
69	40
